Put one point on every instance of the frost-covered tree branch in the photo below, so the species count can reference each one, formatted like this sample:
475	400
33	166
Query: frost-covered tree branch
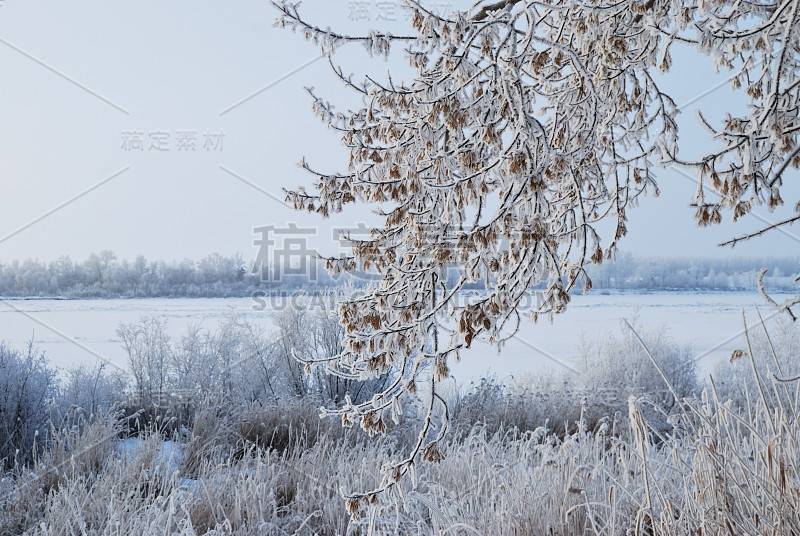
759	42
525	125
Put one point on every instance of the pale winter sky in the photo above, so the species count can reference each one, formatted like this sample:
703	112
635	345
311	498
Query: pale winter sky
82	77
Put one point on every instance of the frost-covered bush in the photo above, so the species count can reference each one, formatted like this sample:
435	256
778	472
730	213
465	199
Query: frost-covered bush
27	388
610	370
553	404
147	344
616	367
289	425
775	354
93	389
308	331
239	363
228	365
231	364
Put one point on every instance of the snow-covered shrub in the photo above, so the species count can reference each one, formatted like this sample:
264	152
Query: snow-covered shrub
147	344
617	367
775	353
309	331
551	402
27	388
231	365
93	389
78	447
610	370
90	484
238	363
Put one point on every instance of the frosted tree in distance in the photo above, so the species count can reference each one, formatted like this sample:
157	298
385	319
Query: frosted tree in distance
512	157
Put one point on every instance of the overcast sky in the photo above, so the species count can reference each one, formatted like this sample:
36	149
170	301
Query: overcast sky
82	79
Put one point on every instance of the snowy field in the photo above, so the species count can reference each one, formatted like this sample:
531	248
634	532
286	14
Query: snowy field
78	331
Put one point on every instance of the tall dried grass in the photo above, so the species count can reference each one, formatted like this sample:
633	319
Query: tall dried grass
717	467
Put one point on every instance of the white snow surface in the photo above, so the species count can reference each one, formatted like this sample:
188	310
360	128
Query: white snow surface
712	323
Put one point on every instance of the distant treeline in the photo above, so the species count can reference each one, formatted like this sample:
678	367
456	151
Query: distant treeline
102	275
649	273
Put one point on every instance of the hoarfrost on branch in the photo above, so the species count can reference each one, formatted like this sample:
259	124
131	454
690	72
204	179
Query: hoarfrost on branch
525	125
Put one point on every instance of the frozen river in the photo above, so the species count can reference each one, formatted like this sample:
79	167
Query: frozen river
82	331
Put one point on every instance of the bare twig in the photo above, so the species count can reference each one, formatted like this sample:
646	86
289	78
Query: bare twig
732	242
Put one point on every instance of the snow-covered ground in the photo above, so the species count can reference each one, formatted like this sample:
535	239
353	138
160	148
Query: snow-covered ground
711	323
75	331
